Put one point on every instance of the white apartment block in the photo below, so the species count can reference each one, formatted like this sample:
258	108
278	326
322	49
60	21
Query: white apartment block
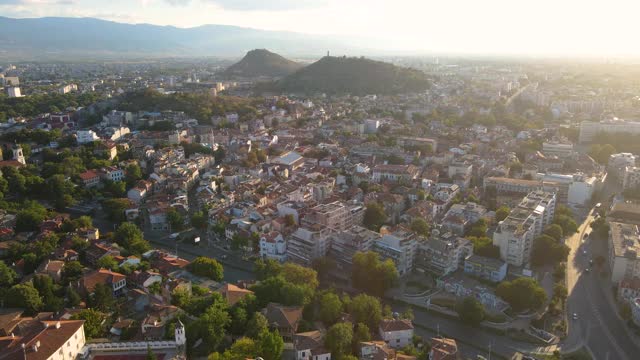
86	136
515	234
557	149
346	243
273	246
399	246
444	253
589	129
631	178
308	243
336	215
624	251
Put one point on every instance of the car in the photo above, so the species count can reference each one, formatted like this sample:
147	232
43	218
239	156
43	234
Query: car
586	235
598	205
174	236
590	261
584	252
224	257
575	316
587	270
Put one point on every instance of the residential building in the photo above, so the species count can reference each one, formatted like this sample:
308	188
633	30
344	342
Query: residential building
273	246
50	340
291	160
90	178
618	163
116	281
14	92
394	173
86	136
573	189
631	178
624	251
346	243
397	333
232	293
589	129
308	243
517	187
443	349
486	268
461	217
443	253
515	234
112	173
283	318
310	346
336	215
635	311
399	245
558	149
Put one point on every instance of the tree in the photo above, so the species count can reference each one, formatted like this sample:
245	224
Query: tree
420	227
547	250
83	222
289	220
367	310
479	229
46	288
207	267
600	228
502	212
115	209
73	298
483	246
30	217
372	275
150	354
567	223
522	294
338	340
554	231
93	322
108	262
277	289
239	320
211	327
71	271
300	275
471	311
257	325
270	345
243	348
102	298
133	174
560	291
330	308
24	296
374	216
199	220
175	219
361	333
129	236
7	275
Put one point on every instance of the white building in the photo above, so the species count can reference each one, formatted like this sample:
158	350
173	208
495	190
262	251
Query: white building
68	88
515	234
619	162
14	92
308	244
556	148
399	246
624	251
635	311
589	129
51	340
631	178
112	174
574	189
443	253
86	136
273	246
396	333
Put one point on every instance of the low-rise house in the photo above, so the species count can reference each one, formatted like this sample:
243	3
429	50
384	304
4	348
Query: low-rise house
61	339
443	349
116	281
486	268
144	279
283	318
97	251
52	268
233	294
273	246
90	178
310	346
397	333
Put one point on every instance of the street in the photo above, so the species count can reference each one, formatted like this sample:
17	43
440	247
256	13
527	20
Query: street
598	327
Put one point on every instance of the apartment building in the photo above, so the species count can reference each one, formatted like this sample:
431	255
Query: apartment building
589	129
485	268
443	253
394	173
336	215
515	234
399	245
461	217
273	246
348	242
624	251
308	243
631	178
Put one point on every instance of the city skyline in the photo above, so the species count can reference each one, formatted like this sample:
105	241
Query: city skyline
461	27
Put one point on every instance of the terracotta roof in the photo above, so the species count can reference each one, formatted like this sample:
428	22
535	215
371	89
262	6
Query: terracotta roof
88	175
101	276
444	349
233	294
51	335
395	325
283	316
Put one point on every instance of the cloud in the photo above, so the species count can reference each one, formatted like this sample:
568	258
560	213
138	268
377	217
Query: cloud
38	2
257	5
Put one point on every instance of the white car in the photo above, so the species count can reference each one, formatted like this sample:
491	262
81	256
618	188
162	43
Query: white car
575	316
174	235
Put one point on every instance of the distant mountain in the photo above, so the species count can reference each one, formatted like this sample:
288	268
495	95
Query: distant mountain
53	37
262	62
357	76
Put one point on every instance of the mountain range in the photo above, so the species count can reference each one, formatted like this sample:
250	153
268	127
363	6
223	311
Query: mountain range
58	37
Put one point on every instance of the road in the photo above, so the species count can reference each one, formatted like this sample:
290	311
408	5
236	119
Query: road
598	327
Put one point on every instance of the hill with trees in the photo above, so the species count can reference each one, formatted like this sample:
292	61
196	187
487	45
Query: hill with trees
262	62
356	76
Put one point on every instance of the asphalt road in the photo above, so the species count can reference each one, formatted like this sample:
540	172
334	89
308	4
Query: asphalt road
598	327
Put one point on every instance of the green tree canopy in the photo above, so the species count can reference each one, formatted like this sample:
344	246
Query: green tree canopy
338	340
207	267
374	216
371	274
93	322
471	311
330	308
522	294
367	310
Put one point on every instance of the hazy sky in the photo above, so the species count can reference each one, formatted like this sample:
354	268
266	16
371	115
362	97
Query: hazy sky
574	27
